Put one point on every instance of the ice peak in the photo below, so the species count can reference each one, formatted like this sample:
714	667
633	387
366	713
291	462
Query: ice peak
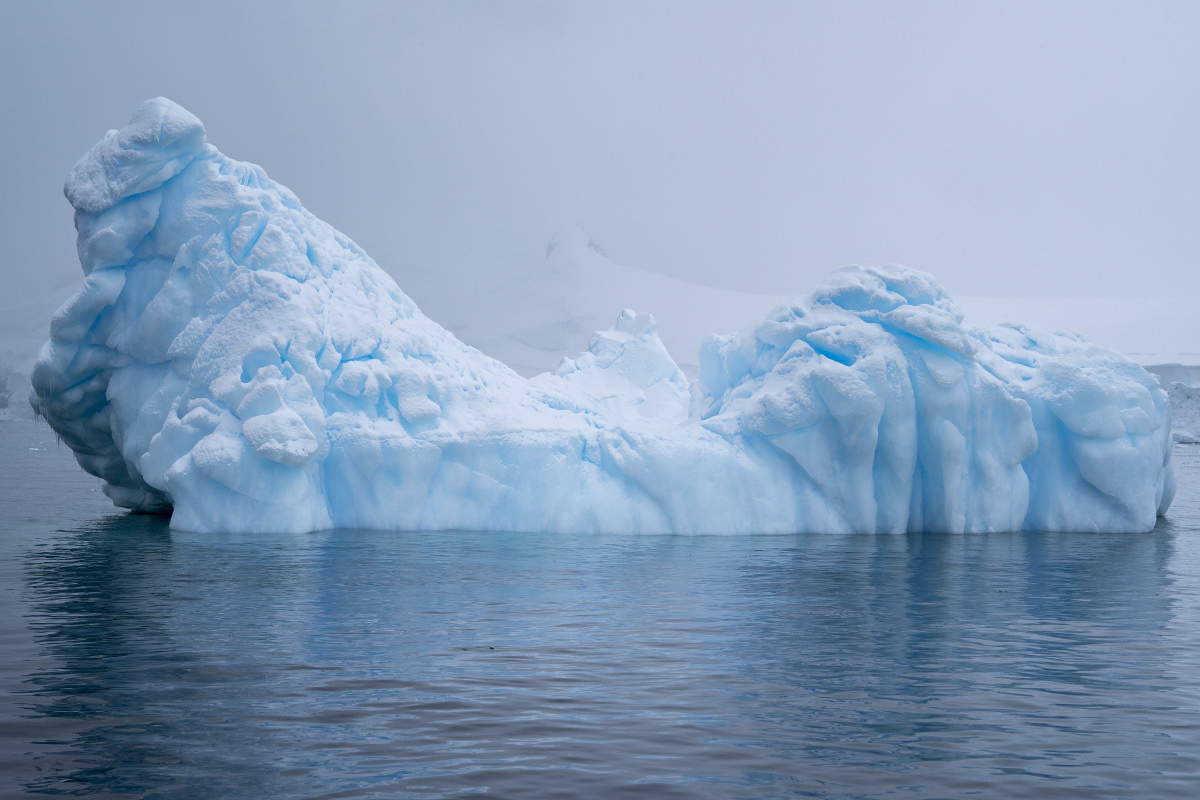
572	242
159	141
636	322
884	289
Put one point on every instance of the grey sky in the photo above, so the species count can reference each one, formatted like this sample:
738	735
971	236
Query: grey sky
1045	148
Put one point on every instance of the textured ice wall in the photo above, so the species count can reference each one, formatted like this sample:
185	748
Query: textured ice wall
235	359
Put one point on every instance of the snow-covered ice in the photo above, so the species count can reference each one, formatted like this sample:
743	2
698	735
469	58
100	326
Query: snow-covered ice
1185	412
236	360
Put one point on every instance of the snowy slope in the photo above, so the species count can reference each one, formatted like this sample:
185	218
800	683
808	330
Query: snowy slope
532	316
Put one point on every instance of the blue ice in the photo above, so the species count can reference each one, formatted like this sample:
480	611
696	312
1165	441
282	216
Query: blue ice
237	361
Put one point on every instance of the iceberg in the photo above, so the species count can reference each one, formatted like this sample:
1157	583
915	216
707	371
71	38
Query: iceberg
236	361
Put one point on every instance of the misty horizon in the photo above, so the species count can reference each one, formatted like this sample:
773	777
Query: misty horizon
1012	150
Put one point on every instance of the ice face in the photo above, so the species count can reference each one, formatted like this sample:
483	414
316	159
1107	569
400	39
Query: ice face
236	360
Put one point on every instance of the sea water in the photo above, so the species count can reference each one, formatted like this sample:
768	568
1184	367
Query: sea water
143	663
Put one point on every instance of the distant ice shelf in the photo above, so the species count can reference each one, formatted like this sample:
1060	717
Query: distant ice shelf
238	362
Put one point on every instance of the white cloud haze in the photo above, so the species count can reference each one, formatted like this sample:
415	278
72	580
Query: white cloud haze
1011	149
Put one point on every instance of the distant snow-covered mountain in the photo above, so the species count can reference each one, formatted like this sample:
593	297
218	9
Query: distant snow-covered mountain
534	316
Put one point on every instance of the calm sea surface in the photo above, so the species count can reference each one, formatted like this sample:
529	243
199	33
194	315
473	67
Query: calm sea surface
136	662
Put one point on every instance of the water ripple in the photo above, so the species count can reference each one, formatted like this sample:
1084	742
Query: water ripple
365	665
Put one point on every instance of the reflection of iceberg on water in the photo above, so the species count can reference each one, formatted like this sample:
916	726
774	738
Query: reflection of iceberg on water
236	359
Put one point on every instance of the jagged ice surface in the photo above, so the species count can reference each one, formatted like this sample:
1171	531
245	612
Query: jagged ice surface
236	360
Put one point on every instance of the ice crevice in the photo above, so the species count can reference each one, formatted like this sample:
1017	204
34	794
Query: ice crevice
235	360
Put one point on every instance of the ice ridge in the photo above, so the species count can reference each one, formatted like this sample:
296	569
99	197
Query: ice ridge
238	362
